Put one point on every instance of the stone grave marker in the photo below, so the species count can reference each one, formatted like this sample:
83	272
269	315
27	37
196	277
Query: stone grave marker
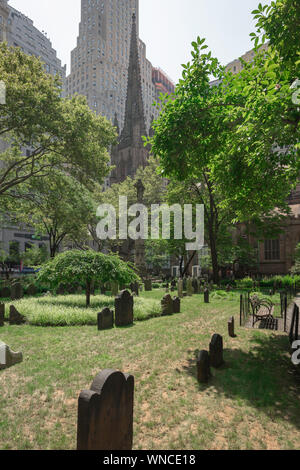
134	286
189	287
176	305
180	288
5	292
195	285
105	413
206	296
2	314
167	305
8	358
16	291
105	319
124	309
231	328
203	367
15	318
114	288
216	351
31	290
148	285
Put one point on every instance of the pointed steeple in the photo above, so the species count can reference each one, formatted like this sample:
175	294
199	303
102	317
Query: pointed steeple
134	125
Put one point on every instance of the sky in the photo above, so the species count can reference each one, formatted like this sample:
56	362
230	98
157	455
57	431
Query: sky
168	28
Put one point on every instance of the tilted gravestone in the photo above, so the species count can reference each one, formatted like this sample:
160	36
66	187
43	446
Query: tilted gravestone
16	291
216	351
5	292
176	305
167	305
8	358
114	287
203	367
231	328
195	285
189	287
180	288
2	314
124	309
105	413
184	281
15	318
105	319
148	285
206	296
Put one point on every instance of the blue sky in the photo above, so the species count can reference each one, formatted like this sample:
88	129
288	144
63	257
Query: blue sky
166	26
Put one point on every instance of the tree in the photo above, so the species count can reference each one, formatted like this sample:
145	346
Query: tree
58	133
70	266
231	139
35	256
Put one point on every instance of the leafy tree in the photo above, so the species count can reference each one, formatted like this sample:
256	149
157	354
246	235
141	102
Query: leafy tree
89	266
58	133
35	256
56	205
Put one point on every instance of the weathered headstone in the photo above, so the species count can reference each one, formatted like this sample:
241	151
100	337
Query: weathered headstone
31	290
2	314
16	291
180	288
148	285
184	281
5	292
176	305
105	319
206	295
195	285
114	288
167	305
105	413
216	351
124	309
231	328
8	358
15	318
203	367
189	287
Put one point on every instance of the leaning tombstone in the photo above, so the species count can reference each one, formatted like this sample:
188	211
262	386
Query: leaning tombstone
167	305
216	351
184	283
105	319
5	292
203	367
8	358
180	288
231	328
105	413
16	291
2	314
114	287
206	296
189	287
176	305
15	318
124	309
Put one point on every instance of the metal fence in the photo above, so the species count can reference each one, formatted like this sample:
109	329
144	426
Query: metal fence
244	308
294	330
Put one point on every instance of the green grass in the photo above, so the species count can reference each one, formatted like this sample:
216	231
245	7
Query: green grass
250	403
70	310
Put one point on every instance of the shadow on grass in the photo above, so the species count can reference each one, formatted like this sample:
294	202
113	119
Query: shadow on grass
264	378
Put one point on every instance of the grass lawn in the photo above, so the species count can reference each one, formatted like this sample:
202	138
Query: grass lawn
251	403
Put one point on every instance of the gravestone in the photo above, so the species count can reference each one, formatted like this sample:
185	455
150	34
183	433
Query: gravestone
167	305
206	296
8	358
5	293
105	413
16	291
231	328
203	367
15	318
114	287
216	351
2	314
189	287
195	285
31	290
176	305
105	319
134	286
148	285
184	283
124	309
180	288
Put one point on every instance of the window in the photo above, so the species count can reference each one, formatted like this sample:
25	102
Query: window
272	250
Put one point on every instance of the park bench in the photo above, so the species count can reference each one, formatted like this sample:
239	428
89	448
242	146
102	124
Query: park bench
262	309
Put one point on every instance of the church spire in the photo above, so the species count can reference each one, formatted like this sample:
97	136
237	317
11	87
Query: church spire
134	125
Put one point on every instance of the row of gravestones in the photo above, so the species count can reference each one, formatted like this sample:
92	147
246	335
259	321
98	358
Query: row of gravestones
123	312
170	305
189	287
15	318
105	411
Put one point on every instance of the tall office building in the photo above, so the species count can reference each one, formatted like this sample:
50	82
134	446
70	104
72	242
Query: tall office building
99	63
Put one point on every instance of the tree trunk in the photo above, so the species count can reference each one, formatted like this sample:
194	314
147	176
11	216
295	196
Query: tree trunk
214	257
88	293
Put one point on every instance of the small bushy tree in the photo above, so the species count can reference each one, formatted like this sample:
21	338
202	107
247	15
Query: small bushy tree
88	266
